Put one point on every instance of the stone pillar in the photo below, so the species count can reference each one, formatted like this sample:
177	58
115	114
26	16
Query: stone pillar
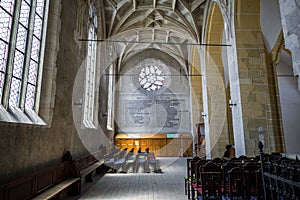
255	78
290	19
196	92
219	118
47	99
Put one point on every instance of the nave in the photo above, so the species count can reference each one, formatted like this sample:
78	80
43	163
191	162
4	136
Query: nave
140	186
180	77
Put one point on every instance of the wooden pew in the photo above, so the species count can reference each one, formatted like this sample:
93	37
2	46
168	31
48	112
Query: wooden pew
88	164
280	177
195	181
50	183
152	161
1	192
109	159
190	177
130	161
142	161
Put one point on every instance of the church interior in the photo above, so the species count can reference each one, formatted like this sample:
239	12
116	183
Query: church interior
86	81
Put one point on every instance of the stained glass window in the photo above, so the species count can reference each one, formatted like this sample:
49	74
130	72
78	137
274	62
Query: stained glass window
31	87
35	55
88	115
22	46
6	11
19	57
14	92
151	78
90	79
30	94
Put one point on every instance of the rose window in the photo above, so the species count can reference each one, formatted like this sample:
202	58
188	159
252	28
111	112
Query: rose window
151	78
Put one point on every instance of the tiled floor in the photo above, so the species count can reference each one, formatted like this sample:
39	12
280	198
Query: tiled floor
142	186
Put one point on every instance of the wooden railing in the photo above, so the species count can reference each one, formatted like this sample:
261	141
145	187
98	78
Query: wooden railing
280	177
55	182
219	178
60	179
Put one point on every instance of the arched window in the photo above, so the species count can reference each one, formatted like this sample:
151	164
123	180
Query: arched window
110	96
89	102
22	41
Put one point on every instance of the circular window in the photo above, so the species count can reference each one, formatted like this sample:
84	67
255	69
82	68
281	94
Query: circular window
151	78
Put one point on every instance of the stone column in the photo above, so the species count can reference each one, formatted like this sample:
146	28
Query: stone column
255	77
290	19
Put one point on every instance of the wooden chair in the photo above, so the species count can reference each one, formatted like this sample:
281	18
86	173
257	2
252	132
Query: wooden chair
234	159
243	157
225	169
109	159
237	178
152	161
254	179
190	177
211	182
141	161
119	161
197	183
130	161
218	160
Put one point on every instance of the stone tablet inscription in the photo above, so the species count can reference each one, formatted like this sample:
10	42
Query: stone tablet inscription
163	113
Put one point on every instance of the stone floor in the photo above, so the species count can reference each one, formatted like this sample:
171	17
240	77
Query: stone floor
141	186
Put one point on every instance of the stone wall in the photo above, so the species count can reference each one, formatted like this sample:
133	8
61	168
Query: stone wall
163	110
27	148
256	80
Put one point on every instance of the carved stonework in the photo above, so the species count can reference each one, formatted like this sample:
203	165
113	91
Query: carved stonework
86	12
226	13
224	2
81	9
92	13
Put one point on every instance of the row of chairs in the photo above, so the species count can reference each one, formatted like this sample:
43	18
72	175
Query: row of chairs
123	160
219	178
281	178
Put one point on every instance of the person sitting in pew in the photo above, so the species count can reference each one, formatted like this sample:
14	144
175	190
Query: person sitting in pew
227	154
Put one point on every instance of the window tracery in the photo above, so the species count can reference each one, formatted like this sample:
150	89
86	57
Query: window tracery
21	45
88	114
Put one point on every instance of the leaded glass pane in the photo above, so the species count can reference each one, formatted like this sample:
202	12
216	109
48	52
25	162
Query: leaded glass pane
33	67
18	64
151	78
1	84
30	96
5	28
40	7
8	5
90	78
38	25
35	49
21	43
21	38
3	55
28	1
24	14
14	92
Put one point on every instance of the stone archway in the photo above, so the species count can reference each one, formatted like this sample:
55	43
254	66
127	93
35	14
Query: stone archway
218	88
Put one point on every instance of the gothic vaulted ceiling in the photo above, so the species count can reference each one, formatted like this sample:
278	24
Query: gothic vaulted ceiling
166	25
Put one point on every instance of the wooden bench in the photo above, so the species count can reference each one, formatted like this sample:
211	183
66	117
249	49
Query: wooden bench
109	159
54	182
88	164
56	191
82	167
